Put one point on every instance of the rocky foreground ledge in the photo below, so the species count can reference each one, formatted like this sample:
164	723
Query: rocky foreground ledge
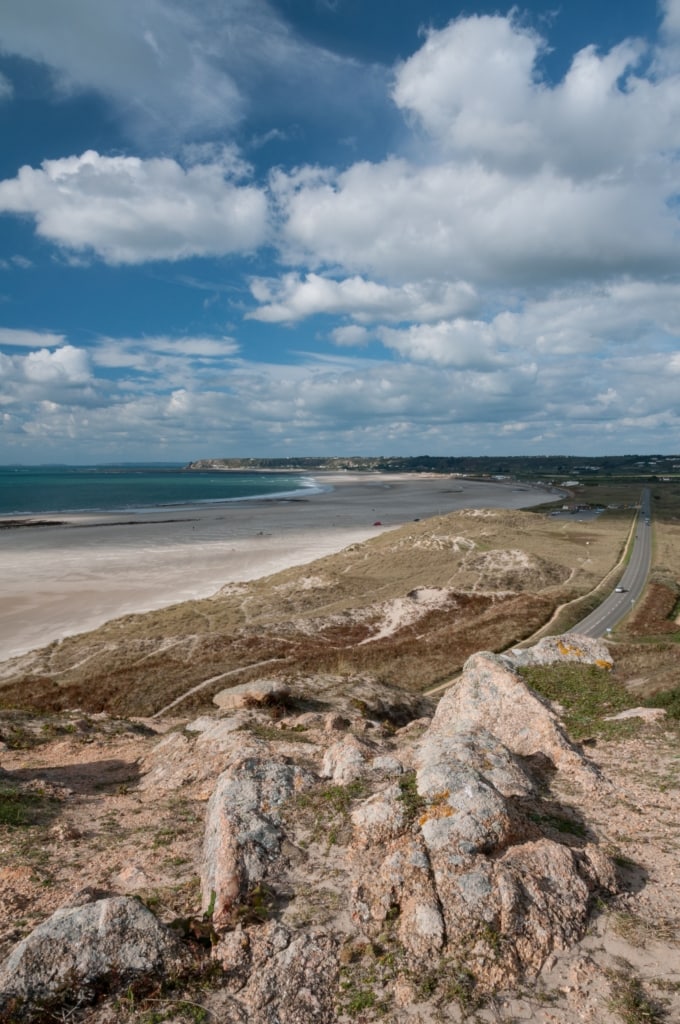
385	858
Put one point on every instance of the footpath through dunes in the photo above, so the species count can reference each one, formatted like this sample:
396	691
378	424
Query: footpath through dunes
405	608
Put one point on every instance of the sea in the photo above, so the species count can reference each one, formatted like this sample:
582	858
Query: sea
32	490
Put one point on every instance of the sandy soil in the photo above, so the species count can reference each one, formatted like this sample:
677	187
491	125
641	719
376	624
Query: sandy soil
83	570
112	827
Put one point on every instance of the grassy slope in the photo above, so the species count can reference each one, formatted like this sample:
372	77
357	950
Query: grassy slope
506	573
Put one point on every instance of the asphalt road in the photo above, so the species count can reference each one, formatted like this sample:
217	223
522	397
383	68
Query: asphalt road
618	605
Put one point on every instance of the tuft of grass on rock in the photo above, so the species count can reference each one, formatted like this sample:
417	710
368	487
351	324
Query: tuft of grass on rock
410	797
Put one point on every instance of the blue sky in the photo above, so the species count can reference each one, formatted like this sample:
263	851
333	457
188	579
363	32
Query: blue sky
288	227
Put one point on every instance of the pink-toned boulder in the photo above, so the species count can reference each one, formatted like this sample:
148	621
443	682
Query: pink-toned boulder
243	832
258	693
549	650
490	695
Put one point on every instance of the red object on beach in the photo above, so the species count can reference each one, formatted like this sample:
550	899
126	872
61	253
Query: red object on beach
377	523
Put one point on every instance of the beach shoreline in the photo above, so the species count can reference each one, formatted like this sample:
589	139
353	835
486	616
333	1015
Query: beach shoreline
89	568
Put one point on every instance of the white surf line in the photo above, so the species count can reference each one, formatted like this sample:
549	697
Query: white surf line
207	682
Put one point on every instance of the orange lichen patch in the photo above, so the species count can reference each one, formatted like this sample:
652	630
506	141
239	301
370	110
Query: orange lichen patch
601	663
439	808
569	650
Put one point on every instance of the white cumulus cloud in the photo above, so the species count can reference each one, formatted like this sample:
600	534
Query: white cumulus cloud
461	221
130	210
66	364
292	298
174	69
151	58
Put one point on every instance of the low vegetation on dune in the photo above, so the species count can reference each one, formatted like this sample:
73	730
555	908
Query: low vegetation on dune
407	607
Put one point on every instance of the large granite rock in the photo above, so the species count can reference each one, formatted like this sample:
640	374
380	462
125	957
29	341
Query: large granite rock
243	831
491	695
259	693
82	949
472	874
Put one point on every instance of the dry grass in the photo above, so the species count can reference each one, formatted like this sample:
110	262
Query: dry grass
502	574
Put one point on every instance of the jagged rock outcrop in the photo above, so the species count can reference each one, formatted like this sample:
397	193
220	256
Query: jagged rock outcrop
346	854
243	831
471	876
449	857
82	950
491	695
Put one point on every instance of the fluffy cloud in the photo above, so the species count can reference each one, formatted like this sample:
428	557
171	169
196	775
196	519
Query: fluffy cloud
466	344
350	335
67	364
292	298
47	379
475	86
130	210
460	221
610	320
523	182
152	58
184	68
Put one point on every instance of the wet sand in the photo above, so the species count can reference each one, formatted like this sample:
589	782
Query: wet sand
72	576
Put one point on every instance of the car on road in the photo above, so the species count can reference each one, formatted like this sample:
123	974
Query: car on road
620	590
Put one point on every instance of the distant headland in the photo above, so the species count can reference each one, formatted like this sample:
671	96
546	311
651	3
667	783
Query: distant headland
534	467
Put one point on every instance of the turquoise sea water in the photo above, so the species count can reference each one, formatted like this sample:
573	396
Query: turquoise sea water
30	490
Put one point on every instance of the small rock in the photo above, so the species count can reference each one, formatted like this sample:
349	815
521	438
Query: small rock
387	765
587	650
649	714
131	879
345	760
262	691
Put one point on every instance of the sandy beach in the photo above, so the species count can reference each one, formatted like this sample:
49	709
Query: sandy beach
83	570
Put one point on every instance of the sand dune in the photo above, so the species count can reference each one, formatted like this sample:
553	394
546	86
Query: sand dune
64	579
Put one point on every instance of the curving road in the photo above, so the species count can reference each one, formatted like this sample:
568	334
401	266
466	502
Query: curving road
632	583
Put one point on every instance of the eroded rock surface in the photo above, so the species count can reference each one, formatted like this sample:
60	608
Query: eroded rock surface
587	650
83	948
490	695
354	858
471	875
243	830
